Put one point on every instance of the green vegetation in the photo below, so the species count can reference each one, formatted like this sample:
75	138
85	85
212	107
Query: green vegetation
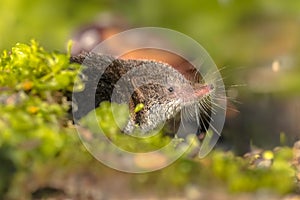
112	116
258	43
38	141
33	109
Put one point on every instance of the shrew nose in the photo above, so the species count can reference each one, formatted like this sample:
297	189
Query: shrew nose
201	90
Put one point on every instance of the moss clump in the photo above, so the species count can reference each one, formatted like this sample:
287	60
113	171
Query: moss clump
33	108
109	118
36	137
268	170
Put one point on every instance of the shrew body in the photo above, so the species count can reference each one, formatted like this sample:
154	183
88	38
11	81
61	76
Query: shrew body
161	89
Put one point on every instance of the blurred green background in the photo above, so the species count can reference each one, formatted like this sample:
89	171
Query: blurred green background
235	33
256	41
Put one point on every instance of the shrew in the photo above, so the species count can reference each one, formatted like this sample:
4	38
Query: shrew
161	89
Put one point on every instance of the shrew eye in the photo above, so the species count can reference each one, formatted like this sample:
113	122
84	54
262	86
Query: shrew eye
171	89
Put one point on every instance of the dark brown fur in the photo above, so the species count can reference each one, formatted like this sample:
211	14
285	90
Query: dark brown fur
162	90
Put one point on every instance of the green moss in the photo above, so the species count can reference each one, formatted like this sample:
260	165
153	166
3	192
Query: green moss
35	132
32	106
240	175
109	119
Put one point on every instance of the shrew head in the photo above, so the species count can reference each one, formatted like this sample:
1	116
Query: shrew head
162	102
